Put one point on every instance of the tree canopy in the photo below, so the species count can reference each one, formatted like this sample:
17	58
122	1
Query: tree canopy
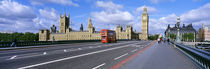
19	36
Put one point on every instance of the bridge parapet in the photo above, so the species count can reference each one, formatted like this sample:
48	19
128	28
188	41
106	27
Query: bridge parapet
201	57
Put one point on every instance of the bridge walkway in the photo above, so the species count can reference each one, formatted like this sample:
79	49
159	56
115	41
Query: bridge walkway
160	56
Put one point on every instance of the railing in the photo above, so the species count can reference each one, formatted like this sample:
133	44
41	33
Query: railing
35	43
201	57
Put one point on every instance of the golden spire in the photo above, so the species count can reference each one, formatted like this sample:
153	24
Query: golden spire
144	9
89	23
65	14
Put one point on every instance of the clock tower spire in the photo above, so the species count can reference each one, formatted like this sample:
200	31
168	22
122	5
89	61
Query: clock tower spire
144	21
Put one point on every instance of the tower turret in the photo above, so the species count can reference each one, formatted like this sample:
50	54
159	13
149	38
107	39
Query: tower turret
64	23
81	27
90	26
144	21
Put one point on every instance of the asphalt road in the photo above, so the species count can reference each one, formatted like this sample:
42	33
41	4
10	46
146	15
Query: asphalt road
93	55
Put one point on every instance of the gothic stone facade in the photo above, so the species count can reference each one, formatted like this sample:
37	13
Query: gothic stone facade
185	29
66	33
204	33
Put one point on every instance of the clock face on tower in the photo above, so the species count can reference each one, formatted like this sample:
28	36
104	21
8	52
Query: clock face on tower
144	18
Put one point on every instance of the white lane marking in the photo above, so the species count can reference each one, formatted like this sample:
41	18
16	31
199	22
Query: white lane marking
44	63
99	66
90	47
44	53
74	49
134	50
64	50
120	56
25	57
13	57
80	48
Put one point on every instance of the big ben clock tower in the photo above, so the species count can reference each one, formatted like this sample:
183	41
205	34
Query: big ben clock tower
144	21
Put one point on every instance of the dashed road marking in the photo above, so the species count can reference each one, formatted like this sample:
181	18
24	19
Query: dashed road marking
13	57
120	56
99	66
64	50
67	58
134	50
44	53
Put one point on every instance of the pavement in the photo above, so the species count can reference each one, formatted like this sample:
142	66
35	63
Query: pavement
95	55
161	56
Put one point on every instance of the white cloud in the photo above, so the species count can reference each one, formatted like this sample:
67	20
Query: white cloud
23	19
113	18
195	16
108	6
63	2
15	10
49	13
47	18
111	15
15	16
149	9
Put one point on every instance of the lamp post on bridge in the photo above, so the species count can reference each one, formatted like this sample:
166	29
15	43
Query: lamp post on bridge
178	38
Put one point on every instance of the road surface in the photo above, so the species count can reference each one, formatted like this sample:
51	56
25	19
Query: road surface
92	55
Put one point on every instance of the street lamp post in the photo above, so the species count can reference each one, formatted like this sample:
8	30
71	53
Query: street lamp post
178	39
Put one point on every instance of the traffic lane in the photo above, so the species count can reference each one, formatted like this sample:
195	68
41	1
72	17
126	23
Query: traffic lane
89	61
54	47
57	51
32	50
14	55
51	52
38	59
47	47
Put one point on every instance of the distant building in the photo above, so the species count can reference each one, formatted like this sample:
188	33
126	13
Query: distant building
128	33
66	33
204	33
183	30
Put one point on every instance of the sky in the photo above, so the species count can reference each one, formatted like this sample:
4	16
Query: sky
33	15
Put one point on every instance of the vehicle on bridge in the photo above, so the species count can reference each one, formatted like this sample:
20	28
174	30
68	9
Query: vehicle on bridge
108	36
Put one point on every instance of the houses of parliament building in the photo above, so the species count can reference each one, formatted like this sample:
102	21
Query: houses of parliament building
66	33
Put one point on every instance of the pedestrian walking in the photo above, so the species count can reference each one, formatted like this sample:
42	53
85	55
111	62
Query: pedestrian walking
168	41
158	40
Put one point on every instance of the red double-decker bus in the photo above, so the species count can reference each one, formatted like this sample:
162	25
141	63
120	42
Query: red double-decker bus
108	36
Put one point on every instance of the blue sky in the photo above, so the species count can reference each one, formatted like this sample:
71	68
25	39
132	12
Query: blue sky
33	15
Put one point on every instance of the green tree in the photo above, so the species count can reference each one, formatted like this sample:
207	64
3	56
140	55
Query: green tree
153	37
172	36
19	36
188	37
